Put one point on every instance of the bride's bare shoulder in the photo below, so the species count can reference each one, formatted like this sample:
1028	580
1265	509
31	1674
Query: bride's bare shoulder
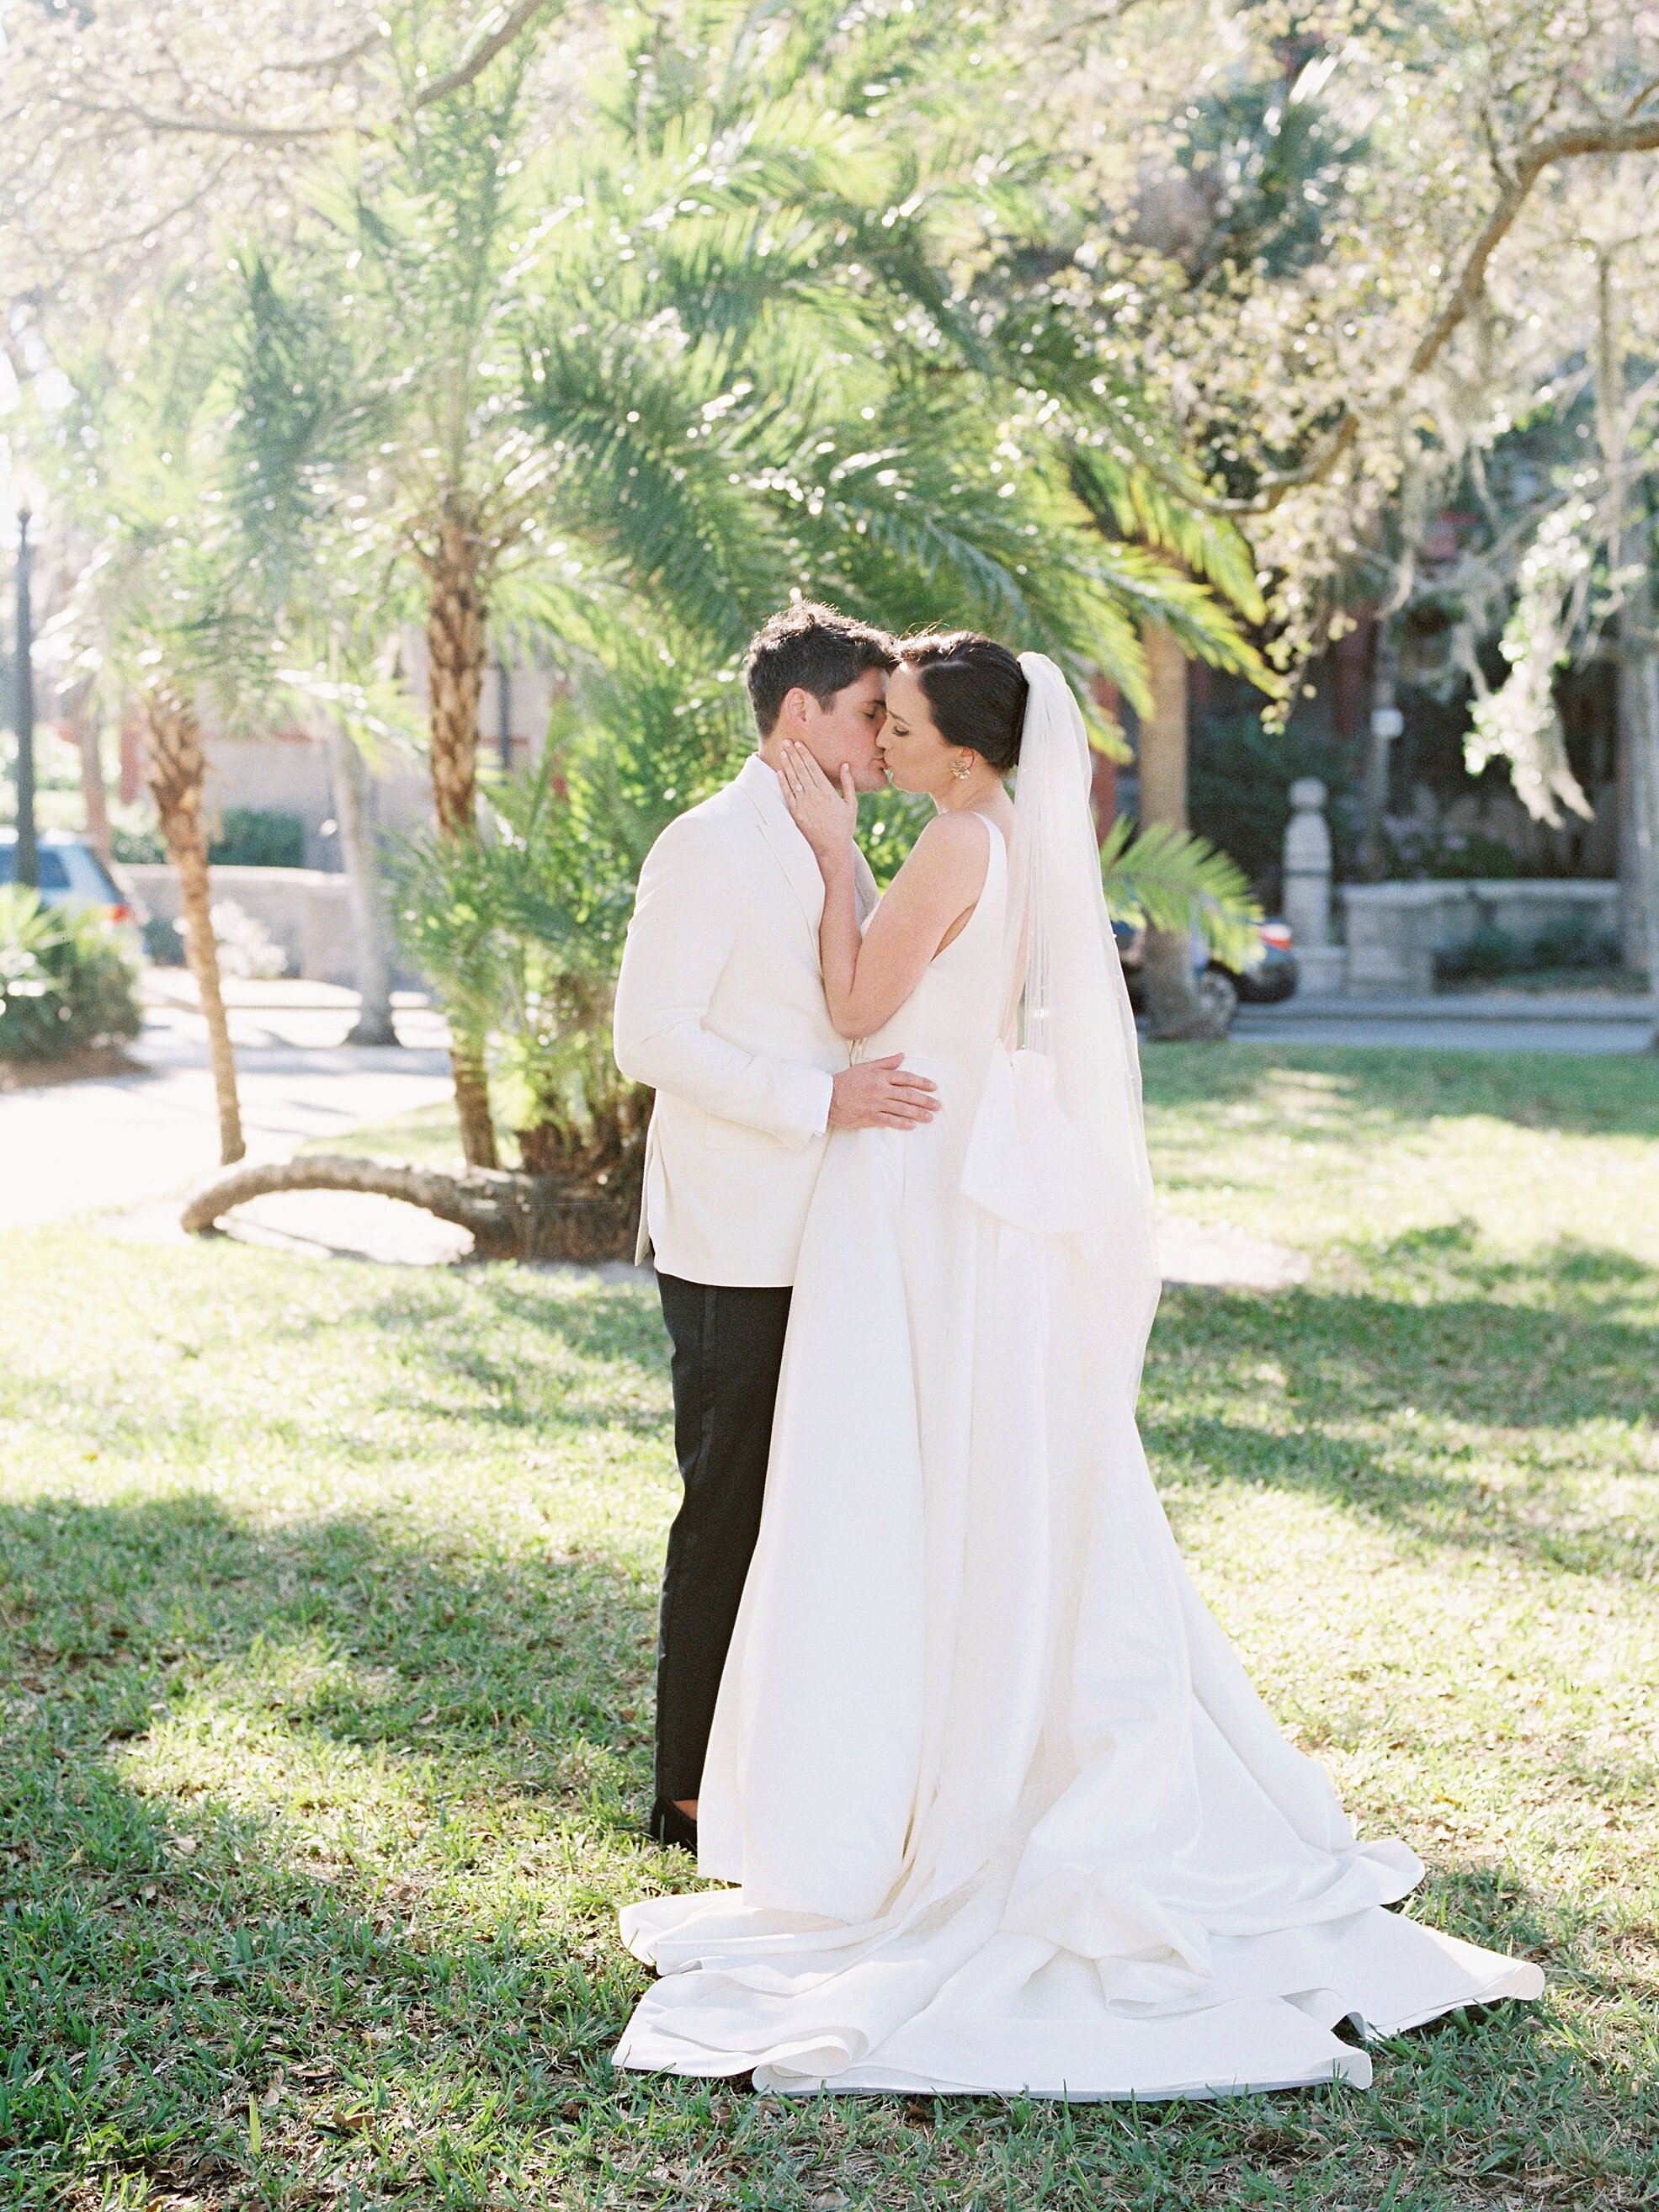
949	843
950	857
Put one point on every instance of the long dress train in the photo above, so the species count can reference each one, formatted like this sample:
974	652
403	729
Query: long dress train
1006	1812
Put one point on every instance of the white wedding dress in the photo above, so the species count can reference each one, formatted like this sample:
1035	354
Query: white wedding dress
1006	1812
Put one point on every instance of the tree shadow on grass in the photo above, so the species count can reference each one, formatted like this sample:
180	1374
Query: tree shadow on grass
530	1652
1385	1396
238	1761
518	1350
187	1928
1384	1093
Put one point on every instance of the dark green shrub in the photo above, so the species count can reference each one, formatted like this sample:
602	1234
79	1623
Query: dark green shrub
142	846
66	979
1490	953
162	943
1238	792
251	837
1569	942
1430	852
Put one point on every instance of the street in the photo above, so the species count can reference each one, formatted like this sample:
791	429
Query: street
116	1140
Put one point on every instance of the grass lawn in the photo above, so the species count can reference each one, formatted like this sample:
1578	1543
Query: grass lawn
326	1627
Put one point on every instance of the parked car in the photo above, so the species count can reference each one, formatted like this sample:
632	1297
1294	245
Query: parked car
1275	975
71	868
1273	978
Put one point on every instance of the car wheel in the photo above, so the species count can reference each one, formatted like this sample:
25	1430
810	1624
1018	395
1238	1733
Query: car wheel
1219	1001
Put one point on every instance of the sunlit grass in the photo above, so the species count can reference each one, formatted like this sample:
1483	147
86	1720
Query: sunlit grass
326	1599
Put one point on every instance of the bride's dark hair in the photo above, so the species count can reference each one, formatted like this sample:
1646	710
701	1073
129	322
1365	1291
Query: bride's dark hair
975	689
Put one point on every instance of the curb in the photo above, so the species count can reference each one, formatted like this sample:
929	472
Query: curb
1627	1012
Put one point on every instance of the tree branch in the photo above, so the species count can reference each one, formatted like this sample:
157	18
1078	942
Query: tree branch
208	126
322	64
1636	136
517	18
512	1216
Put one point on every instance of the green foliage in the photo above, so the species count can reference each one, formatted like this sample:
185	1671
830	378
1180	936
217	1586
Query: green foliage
1238	788
736	338
520	931
1490	953
66	980
662	388
1162	878
521	934
1429	852
141	841
145	462
258	837
1493	952
1278	165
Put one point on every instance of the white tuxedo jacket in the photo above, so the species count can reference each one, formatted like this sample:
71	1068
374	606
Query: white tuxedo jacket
720	1007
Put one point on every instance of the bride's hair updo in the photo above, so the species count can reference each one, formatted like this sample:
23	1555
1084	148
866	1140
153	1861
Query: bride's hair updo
975	689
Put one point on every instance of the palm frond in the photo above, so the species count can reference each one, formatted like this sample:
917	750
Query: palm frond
668	479
1162	878
1142	497
1152	591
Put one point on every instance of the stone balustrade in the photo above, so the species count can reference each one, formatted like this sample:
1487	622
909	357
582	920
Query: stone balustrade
1394	930
308	912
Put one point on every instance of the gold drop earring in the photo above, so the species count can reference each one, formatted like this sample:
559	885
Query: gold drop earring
963	769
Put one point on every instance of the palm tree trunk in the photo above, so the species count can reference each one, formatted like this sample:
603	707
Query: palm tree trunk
455	669
177	771
1172	1002
523	1217
350	776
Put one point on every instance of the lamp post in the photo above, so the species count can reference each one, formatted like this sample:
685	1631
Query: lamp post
27	864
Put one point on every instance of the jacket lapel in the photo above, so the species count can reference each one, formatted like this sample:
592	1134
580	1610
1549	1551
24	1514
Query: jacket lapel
759	785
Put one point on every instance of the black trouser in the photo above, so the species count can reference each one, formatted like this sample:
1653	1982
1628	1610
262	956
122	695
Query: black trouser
728	1347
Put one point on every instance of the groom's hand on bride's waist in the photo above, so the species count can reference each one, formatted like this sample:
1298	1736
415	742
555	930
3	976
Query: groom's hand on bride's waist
881	1094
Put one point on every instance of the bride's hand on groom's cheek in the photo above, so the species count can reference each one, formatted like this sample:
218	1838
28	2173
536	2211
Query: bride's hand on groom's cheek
826	818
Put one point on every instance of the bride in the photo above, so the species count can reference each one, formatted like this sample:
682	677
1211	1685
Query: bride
1003	1812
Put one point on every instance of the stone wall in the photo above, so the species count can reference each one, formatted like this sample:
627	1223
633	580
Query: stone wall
306	911
1394	930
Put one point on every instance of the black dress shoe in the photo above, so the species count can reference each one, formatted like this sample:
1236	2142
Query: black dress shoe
670	1825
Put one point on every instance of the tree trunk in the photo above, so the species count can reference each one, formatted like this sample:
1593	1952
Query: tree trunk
1637	648
1629	799
512	1216
93	792
1386	723
1173	1011
177	773
455	667
1638	740
349	774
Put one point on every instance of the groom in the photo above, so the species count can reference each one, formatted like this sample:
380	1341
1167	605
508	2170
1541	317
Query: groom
720	1007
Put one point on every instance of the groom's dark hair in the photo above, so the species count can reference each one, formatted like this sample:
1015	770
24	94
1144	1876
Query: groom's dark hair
809	647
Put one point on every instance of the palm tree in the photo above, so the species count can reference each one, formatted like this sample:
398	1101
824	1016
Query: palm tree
162	609
299	425
675	365
428	236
